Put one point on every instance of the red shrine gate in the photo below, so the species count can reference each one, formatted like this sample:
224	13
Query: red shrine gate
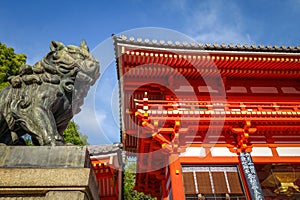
211	121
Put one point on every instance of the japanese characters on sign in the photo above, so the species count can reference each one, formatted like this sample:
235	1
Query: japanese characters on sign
251	176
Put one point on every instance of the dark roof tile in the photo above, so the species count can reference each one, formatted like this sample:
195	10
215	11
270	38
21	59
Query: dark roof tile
207	46
104	149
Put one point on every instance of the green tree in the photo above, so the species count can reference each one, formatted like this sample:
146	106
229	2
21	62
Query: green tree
10	64
73	136
129	182
27	140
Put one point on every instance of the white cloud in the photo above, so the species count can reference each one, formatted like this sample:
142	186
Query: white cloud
214	22
97	126
96	122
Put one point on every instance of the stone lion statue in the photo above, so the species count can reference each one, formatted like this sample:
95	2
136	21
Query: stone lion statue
43	98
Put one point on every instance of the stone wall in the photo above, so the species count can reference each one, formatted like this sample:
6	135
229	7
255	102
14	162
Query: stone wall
51	173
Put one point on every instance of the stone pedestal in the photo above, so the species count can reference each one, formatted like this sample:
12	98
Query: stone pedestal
50	173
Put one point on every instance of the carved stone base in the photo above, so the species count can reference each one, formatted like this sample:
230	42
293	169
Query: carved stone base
50	173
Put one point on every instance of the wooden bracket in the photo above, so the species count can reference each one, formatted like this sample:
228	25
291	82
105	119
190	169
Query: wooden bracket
242	136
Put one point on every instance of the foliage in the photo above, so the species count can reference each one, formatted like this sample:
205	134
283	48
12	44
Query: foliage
10	63
73	136
27	140
129	182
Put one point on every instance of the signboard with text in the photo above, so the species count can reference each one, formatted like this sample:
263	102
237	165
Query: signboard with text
251	176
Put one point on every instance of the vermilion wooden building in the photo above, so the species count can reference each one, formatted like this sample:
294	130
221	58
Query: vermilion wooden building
107	164
211	121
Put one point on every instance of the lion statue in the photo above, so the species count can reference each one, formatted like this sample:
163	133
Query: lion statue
43	98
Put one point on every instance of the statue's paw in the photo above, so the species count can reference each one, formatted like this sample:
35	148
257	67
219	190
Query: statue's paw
2	144
59	143
59	138
69	144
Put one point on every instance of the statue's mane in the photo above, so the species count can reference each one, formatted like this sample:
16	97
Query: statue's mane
54	67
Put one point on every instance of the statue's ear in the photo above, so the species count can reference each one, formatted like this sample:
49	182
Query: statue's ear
54	45
84	45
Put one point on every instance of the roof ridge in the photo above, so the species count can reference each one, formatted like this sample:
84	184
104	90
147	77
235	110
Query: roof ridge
206	46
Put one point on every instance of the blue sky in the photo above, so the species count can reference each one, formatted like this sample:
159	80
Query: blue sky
29	26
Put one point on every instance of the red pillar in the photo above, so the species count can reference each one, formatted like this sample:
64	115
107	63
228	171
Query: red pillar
176	177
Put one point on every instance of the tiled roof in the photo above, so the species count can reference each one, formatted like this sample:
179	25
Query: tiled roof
206	46
104	149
